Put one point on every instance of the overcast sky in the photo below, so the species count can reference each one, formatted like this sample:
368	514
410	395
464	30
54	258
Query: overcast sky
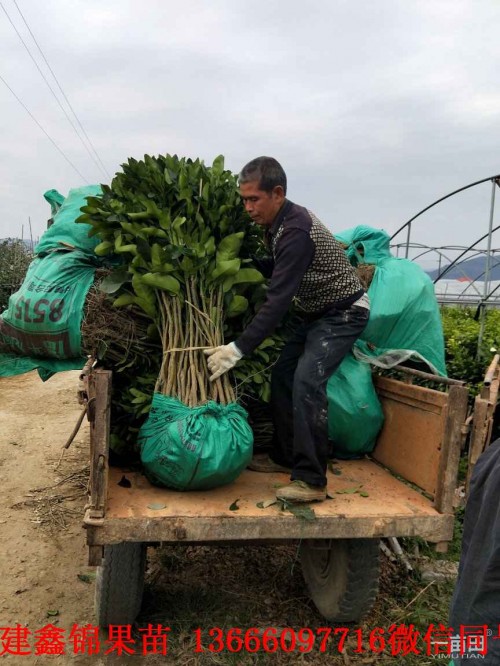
375	109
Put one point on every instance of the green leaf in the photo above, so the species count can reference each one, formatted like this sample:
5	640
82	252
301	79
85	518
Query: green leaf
146	305
130	227
163	282
238	306
103	248
188	265
268	342
226	268
114	281
124	249
156	257
265	392
248	276
123	300
228	284
234	506
363	493
230	246
218	165
145	295
178	222
302	512
165	220
210	246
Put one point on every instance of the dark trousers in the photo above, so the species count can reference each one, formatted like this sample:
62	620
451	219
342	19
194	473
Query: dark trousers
298	390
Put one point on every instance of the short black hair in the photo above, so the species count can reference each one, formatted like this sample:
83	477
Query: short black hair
267	171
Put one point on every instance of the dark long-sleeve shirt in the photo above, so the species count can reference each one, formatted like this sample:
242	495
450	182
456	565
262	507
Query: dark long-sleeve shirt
308	263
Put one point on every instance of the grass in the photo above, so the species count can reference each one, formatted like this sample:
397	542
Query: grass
191	587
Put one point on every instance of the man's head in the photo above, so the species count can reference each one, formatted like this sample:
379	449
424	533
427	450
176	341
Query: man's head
263	189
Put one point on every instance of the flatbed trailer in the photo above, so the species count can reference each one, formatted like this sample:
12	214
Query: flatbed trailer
408	486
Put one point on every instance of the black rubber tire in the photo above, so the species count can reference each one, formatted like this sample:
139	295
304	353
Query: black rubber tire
120	584
342	576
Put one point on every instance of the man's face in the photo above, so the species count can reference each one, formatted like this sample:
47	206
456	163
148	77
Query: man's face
261	206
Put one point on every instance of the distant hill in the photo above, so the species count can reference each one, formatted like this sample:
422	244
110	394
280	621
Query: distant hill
472	269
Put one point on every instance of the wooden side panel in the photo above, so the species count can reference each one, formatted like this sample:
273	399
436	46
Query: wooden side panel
99	416
411	439
456	414
479	434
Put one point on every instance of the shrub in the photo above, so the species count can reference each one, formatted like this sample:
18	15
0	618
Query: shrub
14	261
461	332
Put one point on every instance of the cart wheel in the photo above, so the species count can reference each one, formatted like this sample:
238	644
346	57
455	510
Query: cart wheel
120	583
342	576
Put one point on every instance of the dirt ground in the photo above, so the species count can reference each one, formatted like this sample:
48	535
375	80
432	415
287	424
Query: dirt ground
43	540
44	577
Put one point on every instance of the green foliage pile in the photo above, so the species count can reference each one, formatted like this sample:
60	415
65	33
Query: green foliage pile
180	243
14	261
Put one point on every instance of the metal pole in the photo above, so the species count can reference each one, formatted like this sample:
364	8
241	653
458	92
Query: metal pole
486	289
408	240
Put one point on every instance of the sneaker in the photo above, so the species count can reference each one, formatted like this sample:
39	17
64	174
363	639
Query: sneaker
300	491
263	463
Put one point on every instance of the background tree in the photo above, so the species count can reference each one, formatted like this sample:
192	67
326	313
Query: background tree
15	258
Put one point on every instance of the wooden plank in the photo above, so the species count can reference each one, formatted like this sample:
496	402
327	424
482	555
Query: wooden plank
410	393
195	530
411	437
99	417
479	434
96	553
147	513
456	414
492	372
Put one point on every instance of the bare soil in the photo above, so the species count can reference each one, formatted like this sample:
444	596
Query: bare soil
43	543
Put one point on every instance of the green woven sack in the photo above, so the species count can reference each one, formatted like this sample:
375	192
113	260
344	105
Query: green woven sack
65	233
194	448
405	322
354	410
42	323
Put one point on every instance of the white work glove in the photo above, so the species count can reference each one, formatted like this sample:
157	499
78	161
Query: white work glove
221	359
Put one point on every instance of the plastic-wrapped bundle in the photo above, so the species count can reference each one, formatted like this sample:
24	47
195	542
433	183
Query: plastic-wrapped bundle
194	448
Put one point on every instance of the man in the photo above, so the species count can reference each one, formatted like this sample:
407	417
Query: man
308	264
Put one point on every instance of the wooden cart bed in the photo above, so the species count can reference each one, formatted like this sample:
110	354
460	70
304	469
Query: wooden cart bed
146	513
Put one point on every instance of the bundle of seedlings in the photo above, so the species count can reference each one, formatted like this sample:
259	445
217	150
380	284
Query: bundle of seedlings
184	245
